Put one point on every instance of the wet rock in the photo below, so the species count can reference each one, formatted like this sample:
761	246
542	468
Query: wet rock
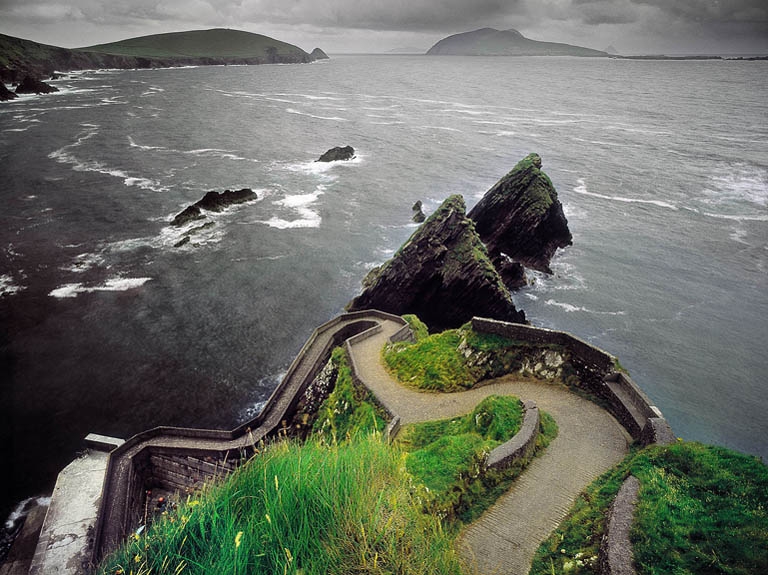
5	93
337	154
418	212
30	85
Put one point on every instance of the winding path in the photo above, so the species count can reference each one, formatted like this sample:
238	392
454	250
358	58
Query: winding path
504	539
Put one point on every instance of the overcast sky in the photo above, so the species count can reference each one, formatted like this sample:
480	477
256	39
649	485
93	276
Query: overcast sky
631	26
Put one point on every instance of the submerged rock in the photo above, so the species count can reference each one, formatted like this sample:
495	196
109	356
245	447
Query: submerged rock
5	93
30	85
337	154
418	212
442	274
213	202
318	54
521	217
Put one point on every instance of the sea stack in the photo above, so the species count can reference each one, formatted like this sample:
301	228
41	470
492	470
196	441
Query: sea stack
442	274
337	154
521	218
318	54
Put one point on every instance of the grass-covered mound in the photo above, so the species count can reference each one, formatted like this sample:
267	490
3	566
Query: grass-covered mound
457	359
701	509
447	457
313	509
349	409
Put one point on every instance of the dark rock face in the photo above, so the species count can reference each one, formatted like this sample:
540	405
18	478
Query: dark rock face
217	201
511	272
30	85
337	154
442	274
521	217
318	54
5	93
213	202
418	212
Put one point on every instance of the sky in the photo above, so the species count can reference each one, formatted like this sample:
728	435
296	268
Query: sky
338	26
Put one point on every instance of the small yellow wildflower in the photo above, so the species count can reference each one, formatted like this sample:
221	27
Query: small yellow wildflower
238	539
269	519
194	503
137	558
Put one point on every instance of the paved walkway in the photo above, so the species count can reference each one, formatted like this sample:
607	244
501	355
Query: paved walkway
504	539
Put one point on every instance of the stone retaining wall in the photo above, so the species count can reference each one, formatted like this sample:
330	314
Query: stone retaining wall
615	554
597	375
522	444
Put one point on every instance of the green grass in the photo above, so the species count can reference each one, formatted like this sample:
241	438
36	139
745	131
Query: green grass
457	359
447	457
216	43
350	409
702	509
309	509
418	327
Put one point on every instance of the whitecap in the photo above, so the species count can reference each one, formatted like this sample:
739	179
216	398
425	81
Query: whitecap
581	188
301	203
569	308
22	508
332	118
8	286
110	285
310	97
444	128
83	262
133	144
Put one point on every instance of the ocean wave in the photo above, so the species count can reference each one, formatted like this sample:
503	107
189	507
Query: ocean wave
83	262
301	204
581	188
8	285
331	118
569	308
322	169
444	128
498	133
311	97
741	183
22	508
112	284
64	155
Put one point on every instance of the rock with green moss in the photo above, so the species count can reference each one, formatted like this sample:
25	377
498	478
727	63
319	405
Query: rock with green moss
521	217
442	274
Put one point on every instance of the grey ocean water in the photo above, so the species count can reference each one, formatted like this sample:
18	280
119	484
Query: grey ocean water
106	327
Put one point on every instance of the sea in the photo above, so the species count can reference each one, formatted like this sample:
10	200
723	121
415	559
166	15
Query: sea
106	327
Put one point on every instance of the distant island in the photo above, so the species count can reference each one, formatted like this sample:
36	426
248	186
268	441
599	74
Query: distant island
492	42
20	58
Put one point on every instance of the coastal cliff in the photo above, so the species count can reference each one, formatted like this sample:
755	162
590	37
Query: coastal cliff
442	274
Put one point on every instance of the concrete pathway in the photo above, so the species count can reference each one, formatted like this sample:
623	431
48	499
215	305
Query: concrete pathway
504	539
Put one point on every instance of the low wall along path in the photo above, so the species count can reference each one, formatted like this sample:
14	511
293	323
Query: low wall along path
502	540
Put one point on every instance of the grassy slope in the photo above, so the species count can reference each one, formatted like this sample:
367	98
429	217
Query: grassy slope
702	509
215	43
14	50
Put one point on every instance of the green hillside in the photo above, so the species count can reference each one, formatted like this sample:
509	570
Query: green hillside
19	57
215	43
492	42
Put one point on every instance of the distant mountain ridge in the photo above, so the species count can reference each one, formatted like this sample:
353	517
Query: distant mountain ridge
19	57
492	42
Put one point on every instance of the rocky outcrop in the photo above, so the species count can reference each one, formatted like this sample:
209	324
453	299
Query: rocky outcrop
522	218
5	93
442	274
318	54
418	212
213	202
30	85
337	154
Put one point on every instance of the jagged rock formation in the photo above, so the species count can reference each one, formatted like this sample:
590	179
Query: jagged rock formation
318	54
213	202
30	85
442	274
418	212
337	154
521	217
5	93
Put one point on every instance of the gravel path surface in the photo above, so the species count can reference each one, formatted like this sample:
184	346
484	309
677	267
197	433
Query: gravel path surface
504	539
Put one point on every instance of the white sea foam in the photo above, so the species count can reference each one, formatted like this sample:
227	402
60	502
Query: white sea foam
83	262
569	308
445	128
22	508
64	155
581	188
8	286
331	118
112	284
741	183
302	205
133	144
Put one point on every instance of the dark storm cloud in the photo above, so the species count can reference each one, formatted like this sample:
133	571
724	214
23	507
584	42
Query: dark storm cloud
722	11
